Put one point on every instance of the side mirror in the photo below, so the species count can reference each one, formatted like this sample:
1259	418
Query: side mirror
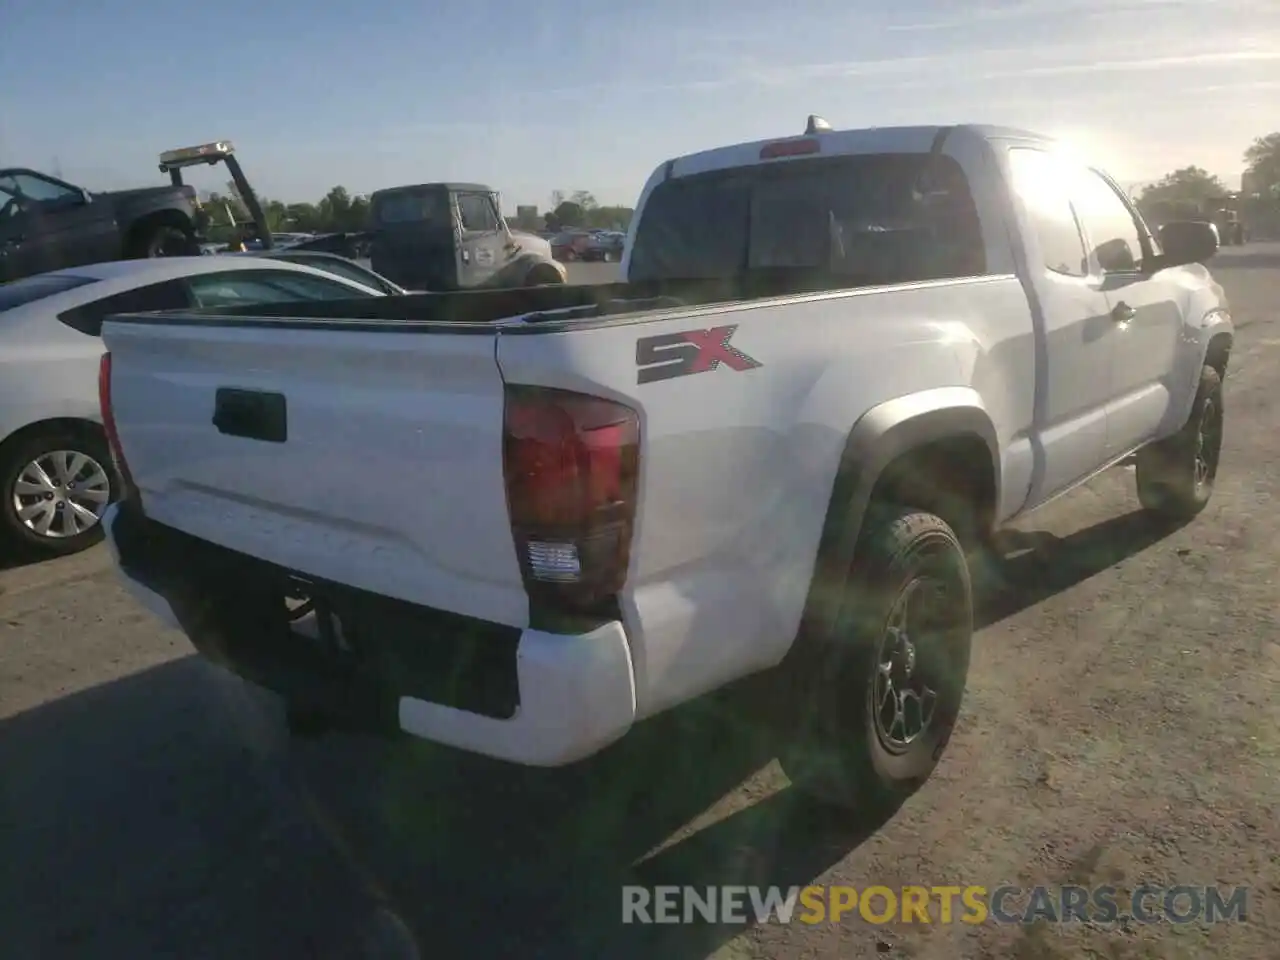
1187	241
85	196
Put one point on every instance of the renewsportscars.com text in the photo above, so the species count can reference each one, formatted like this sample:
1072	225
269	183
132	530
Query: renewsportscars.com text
971	904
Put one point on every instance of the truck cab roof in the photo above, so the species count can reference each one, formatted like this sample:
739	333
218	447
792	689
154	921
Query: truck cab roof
450	187
913	139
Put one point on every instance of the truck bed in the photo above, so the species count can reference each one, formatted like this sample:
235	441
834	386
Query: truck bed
548	306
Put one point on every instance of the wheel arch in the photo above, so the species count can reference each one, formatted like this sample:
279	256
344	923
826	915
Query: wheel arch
1217	353
950	422
165	217
88	428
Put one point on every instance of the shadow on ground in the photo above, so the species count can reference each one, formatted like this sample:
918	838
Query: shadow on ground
11	559
166	815
1036	565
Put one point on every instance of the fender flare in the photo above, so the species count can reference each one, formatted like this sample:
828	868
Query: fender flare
1211	345
880	436
1217	337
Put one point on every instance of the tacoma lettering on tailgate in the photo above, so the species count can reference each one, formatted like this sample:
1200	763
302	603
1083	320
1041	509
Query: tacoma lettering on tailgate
693	351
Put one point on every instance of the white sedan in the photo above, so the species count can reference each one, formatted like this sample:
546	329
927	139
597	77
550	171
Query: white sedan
55	472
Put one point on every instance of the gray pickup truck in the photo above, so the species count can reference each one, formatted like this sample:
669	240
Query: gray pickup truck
452	236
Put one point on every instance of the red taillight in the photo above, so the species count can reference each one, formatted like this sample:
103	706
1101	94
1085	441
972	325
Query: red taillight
109	421
571	463
789	148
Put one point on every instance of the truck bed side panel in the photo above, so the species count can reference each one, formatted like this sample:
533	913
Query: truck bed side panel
738	465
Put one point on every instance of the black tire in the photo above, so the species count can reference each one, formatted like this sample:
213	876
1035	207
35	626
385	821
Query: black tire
163	240
543	275
837	745
17	534
1176	476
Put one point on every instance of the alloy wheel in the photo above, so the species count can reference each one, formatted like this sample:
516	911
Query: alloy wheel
61	494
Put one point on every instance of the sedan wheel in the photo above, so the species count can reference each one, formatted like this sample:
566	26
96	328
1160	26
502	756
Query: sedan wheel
55	495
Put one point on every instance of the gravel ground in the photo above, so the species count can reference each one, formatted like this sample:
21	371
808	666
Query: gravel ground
1121	727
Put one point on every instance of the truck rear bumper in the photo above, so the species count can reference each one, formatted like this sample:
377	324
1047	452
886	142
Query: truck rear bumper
526	696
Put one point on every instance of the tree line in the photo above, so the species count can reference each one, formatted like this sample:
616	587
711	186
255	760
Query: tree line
1186	192
338	211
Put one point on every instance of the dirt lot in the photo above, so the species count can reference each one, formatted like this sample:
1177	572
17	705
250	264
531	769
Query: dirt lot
1121	727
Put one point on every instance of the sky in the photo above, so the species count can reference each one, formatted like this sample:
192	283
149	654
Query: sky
531	97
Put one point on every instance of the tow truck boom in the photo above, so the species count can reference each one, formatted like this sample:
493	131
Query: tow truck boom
173	162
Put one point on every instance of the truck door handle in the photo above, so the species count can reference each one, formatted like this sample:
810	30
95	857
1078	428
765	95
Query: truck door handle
252	414
1123	314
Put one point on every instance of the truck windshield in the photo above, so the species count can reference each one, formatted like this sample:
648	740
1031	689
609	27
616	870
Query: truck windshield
875	218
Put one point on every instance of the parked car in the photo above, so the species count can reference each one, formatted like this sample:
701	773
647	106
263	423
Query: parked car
55	474
452	236
336	265
606	246
570	245
839	363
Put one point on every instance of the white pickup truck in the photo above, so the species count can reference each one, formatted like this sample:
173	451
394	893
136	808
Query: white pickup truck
520	521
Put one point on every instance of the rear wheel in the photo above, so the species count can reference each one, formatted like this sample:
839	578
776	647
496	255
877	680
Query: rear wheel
162	240
54	489
872	706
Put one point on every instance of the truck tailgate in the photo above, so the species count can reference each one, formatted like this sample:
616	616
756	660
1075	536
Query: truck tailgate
389	473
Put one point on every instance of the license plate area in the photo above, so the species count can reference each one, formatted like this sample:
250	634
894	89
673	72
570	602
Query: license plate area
260	620
406	649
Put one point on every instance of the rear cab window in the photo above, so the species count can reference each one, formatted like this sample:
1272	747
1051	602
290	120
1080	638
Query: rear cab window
18	293
858	220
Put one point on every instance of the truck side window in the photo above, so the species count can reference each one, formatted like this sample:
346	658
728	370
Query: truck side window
1039	181
33	188
476	212
1112	230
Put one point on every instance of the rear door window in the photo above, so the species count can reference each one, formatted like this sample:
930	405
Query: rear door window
168	295
267	286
